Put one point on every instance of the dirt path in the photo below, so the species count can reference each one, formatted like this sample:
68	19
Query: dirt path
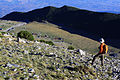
12	27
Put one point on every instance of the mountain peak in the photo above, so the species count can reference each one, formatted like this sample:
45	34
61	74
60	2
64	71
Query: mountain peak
69	8
50	7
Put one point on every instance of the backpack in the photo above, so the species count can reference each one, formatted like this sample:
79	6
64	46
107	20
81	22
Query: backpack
105	48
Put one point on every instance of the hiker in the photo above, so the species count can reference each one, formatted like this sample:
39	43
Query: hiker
103	50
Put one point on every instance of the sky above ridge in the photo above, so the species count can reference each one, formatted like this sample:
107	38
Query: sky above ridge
7	6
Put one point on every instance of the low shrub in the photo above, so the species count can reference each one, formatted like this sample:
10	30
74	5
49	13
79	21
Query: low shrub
41	40
3	33
70	47
25	34
1	36
47	42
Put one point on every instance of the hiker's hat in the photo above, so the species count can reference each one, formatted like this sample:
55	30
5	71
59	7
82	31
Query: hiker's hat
102	40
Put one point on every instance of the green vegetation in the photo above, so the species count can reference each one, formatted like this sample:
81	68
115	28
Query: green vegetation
3	33
70	47
47	42
41	41
1	36
25	34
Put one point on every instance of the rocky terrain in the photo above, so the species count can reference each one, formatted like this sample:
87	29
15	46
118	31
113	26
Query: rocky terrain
32	60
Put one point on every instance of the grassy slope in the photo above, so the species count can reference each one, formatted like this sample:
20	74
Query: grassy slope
53	30
45	67
38	59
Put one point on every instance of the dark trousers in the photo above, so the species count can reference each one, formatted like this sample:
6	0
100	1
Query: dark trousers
101	58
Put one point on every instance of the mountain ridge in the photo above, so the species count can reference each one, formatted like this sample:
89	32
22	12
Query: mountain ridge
73	20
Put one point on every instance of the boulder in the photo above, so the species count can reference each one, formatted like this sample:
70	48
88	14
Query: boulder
37	42
20	40
36	76
9	65
81	52
10	39
7	35
26	52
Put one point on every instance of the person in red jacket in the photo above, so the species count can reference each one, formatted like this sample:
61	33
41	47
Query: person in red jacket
101	52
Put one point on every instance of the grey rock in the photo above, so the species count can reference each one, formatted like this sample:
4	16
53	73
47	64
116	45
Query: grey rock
9	65
31	70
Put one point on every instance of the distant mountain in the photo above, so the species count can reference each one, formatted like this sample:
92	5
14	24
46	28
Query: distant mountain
73	20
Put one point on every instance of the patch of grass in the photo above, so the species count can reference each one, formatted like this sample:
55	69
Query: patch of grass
47	42
1	36
52	68
3	33
41	41
70	47
85	69
58	76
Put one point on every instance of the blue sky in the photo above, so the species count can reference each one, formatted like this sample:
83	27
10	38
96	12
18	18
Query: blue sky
7	6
